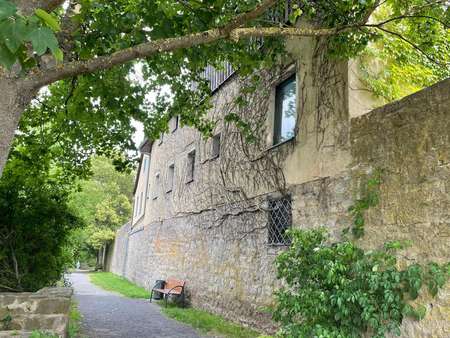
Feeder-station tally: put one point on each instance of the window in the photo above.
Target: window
(170, 177)
(280, 219)
(145, 164)
(173, 123)
(215, 151)
(190, 166)
(156, 187)
(285, 111)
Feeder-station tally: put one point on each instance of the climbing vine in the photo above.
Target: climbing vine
(338, 289)
(369, 198)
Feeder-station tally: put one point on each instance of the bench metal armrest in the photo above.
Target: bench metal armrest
(154, 286)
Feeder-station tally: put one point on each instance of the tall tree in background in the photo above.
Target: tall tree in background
(78, 46)
(104, 204)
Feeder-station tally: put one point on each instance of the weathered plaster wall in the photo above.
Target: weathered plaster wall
(46, 310)
(198, 233)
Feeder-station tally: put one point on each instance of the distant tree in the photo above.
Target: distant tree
(104, 204)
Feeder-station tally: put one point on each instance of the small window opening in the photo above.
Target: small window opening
(156, 187)
(170, 177)
(190, 166)
(215, 151)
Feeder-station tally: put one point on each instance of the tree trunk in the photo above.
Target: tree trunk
(13, 100)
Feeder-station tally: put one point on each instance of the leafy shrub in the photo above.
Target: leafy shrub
(340, 290)
(35, 222)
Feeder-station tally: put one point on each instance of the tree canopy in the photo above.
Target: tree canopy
(103, 202)
(84, 47)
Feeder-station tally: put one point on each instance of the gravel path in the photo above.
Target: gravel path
(107, 314)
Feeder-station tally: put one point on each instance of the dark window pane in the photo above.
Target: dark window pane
(215, 146)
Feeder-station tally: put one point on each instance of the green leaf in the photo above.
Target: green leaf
(42, 39)
(7, 9)
(58, 54)
(48, 19)
(13, 33)
(7, 59)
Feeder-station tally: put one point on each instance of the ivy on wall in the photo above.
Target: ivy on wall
(337, 289)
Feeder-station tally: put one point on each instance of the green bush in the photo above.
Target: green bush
(340, 290)
(35, 222)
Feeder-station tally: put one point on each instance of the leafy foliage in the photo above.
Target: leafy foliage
(394, 67)
(17, 30)
(94, 112)
(86, 115)
(35, 221)
(368, 199)
(340, 290)
(104, 204)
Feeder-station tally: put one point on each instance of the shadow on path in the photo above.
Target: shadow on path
(107, 314)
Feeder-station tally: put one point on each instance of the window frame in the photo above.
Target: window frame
(278, 111)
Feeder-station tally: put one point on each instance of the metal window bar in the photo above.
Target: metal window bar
(280, 220)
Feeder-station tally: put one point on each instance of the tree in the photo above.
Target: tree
(104, 204)
(35, 220)
(176, 39)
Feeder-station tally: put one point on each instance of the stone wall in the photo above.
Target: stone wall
(228, 264)
(410, 141)
(46, 310)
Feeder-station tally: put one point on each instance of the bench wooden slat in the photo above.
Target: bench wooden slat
(166, 291)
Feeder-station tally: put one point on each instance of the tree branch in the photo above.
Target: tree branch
(27, 7)
(412, 44)
(41, 78)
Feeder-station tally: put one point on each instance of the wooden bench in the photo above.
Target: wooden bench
(171, 287)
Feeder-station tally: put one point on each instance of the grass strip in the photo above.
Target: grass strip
(112, 282)
(208, 323)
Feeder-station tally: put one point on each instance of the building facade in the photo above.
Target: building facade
(214, 211)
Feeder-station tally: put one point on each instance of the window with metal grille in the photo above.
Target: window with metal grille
(280, 220)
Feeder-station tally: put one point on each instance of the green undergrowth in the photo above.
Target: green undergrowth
(74, 321)
(112, 282)
(207, 323)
